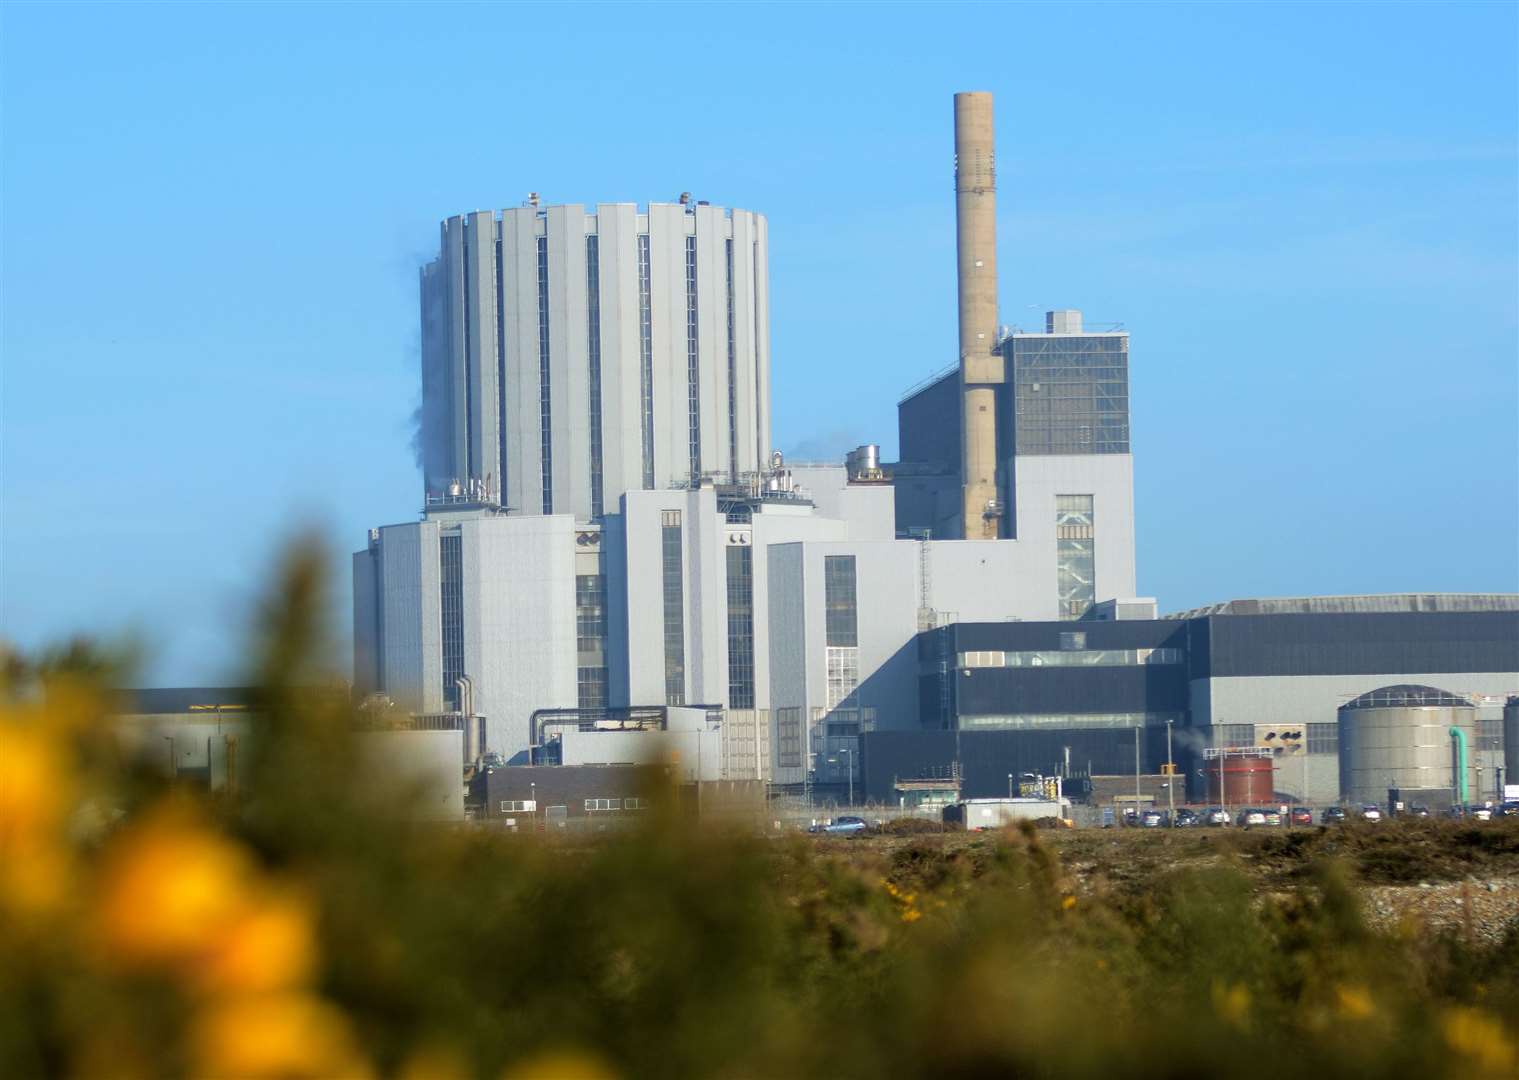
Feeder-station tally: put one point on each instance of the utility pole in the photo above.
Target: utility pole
(1009, 785)
(1136, 770)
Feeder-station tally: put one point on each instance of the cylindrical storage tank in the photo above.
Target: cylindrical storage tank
(1511, 741)
(1248, 779)
(1399, 737)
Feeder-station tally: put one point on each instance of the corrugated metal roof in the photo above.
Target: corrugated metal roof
(1357, 605)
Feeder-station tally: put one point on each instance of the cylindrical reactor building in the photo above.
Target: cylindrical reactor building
(570, 356)
(1400, 737)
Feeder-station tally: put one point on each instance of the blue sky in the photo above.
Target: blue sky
(213, 217)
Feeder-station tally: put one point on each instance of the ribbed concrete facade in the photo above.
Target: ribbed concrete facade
(570, 356)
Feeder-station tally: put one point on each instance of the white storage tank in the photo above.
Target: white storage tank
(1400, 737)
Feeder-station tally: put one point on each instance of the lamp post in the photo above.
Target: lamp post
(1009, 785)
(849, 768)
(533, 798)
(1136, 770)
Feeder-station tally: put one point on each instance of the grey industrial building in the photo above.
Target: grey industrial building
(1013, 697)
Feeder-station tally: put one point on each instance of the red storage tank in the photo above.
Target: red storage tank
(1248, 774)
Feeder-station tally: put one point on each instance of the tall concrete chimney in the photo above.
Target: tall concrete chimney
(981, 366)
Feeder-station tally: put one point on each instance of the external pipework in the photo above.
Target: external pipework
(1462, 794)
(981, 365)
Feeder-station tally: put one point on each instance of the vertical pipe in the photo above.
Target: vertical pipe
(1460, 785)
(981, 367)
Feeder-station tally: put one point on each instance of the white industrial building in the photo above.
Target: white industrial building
(569, 356)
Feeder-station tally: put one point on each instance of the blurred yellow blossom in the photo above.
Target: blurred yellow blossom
(35, 794)
(1232, 1003)
(1354, 1001)
(1480, 1037)
(170, 889)
(561, 1065)
(293, 1036)
(267, 947)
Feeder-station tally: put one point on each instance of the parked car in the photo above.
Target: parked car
(844, 825)
(1215, 816)
(1153, 819)
(1370, 812)
(1333, 815)
(1273, 817)
(1185, 819)
(1418, 810)
(1509, 809)
(1249, 816)
(1480, 813)
(1300, 815)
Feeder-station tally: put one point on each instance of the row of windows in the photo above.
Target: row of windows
(843, 664)
(590, 616)
(451, 615)
(646, 360)
(693, 359)
(593, 356)
(788, 734)
(1070, 658)
(740, 626)
(630, 803)
(839, 601)
(674, 608)
(1053, 721)
(1075, 556)
(518, 806)
(1323, 738)
(546, 446)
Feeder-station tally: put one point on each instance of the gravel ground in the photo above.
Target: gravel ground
(1486, 909)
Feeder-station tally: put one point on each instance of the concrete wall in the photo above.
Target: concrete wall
(519, 621)
(419, 773)
(412, 666)
(1109, 479)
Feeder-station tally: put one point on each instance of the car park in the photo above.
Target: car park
(1300, 815)
(1333, 815)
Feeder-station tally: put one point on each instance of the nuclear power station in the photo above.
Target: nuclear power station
(608, 542)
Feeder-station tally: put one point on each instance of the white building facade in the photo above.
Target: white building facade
(573, 354)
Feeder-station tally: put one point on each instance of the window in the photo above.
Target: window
(1075, 561)
(740, 626)
(635, 804)
(593, 805)
(518, 806)
(839, 600)
(1070, 393)
(693, 359)
(1076, 640)
(1233, 736)
(593, 358)
(646, 360)
(674, 606)
(500, 372)
(1323, 738)
(451, 603)
(1072, 658)
(843, 674)
(546, 443)
(1490, 734)
(788, 727)
(1068, 721)
(591, 691)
